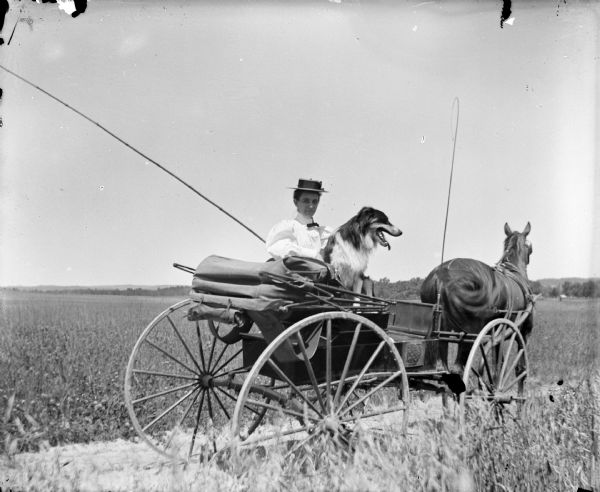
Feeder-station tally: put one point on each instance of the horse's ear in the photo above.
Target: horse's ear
(507, 230)
(527, 229)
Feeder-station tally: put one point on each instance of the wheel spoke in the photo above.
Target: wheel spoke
(338, 392)
(508, 411)
(487, 367)
(212, 352)
(202, 400)
(218, 359)
(226, 393)
(287, 411)
(367, 395)
(255, 439)
(399, 408)
(168, 410)
(164, 374)
(235, 399)
(184, 343)
(216, 371)
(299, 445)
(498, 349)
(513, 364)
(492, 338)
(310, 370)
(189, 408)
(515, 381)
(221, 405)
(174, 359)
(341, 441)
(185, 414)
(165, 392)
(197, 424)
(214, 327)
(492, 397)
(499, 362)
(200, 346)
(362, 373)
(297, 390)
(328, 365)
(505, 361)
(233, 372)
(480, 380)
(210, 408)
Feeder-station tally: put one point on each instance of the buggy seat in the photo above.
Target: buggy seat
(273, 295)
(252, 285)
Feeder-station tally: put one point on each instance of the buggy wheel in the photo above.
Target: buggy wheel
(182, 383)
(344, 375)
(495, 374)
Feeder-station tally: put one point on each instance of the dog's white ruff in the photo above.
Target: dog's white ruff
(350, 263)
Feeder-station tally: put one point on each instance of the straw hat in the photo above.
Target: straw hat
(310, 185)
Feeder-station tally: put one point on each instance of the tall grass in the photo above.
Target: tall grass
(63, 357)
(547, 450)
(565, 341)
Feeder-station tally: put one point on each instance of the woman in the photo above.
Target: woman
(300, 236)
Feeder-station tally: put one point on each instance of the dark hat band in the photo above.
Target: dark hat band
(310, 185)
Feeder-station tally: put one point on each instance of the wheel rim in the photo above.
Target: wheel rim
(495, 373)
(348, 385)
(181, 385)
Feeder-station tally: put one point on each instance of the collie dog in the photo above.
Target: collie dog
(349, 248)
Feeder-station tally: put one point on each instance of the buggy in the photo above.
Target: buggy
(279, 350)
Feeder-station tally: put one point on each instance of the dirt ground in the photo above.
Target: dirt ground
(124, 465)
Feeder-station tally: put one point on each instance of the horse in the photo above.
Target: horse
(471, 292)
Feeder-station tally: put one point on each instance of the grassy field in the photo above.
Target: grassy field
(63, 357)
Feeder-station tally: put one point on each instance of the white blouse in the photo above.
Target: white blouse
(291, 237)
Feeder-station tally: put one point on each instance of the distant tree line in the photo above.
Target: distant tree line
(174, 291)
(410, 289)
(384, 288)
(588, 288)
(402, 289)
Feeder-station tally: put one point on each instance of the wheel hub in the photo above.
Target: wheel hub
(206, 381)
(503, 398)
(332, 424)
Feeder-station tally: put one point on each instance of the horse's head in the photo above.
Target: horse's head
(517, 248)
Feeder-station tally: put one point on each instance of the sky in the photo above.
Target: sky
(240, 99)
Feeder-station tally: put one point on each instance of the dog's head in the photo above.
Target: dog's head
(375, 223)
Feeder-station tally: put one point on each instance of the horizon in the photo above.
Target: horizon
(155, 286)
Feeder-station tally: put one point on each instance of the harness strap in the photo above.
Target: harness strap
(511, 273)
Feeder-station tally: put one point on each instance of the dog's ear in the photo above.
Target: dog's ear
(364, 211)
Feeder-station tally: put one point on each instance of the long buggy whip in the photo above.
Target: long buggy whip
(454, 103)
(457, 104)
(149, 159)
